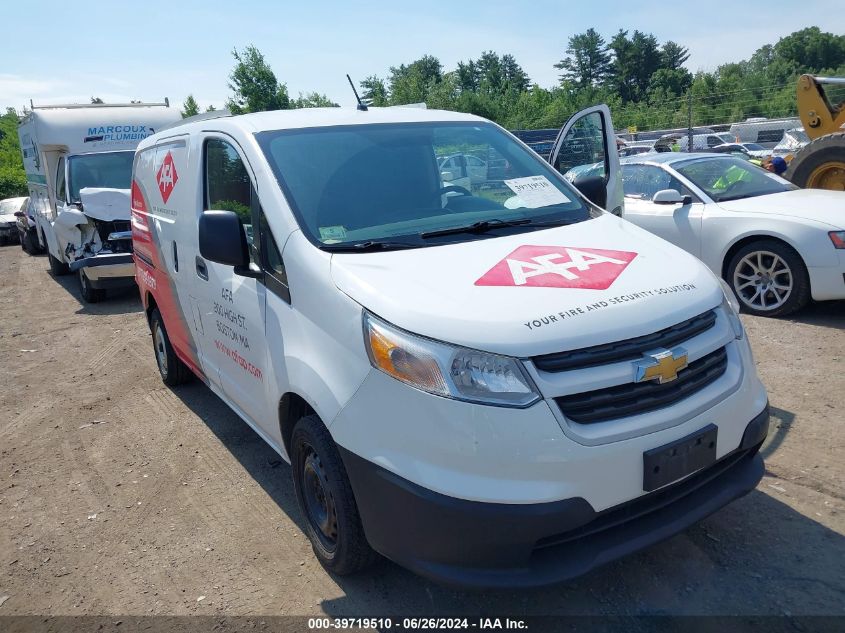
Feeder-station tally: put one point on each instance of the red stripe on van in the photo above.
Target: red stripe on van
(152, 279)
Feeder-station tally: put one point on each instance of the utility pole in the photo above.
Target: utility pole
(689, 121)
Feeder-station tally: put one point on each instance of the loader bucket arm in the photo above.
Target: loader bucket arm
(817, 114)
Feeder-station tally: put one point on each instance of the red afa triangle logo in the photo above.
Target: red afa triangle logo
(558, 267)
(167, 177)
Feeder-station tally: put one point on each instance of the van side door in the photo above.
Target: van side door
(585, 148)
(232, 305)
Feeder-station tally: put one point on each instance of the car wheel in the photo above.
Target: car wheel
(325, 497)
(56, 267)
(769, 278)
(173, 371)
(88, 292)
(30, 239)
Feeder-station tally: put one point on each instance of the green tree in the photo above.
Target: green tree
(412, 83)
(673, 56)
(12, 176)
(96, 100)
(313, 100)
(587, 60)
(190, 107)
(374, 91)
(254, 84)
(811, 50)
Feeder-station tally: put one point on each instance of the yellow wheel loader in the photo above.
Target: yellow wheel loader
(821, 163)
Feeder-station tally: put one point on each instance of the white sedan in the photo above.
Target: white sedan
(776, 245)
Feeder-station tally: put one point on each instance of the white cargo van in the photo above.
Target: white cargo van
(506, 386)
(78, 162)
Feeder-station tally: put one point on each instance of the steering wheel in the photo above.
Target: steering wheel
(456, 188)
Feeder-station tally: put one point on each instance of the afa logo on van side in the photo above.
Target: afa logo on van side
(558, 267)
(166, 177)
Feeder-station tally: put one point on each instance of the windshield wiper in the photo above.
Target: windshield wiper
(369, 245)
(476, 227)
(486, 225)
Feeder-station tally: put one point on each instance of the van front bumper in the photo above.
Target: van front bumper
(107, 271)
(478, 544)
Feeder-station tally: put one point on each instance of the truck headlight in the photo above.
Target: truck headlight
(730, 305)
(447, 370)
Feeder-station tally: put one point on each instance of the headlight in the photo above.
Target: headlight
(838, 239)
(731, 307)
(446, 370)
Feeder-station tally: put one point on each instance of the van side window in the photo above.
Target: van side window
(60, 181)
(227, 185)
(276, 276)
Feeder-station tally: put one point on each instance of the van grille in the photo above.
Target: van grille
(630, 349)
(629, 399)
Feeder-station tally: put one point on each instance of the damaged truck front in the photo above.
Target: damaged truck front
(78, 161)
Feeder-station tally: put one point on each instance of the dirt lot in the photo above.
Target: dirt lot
(121, 496)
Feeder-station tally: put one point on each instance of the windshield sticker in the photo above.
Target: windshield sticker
(558, 267)
(332, 234)
(536, 191)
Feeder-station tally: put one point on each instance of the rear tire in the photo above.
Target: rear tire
(172, 370)
(769, 278)
(56, 267)
(30, 241)
(325, 498)
(89, 293)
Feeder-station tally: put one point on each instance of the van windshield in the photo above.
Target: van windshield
(104, 169)
(415, 184)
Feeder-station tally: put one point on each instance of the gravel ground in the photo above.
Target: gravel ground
(119, 496)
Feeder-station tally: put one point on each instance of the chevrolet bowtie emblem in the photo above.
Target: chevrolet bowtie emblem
(662, 366)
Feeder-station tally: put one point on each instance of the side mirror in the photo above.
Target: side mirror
(223, 240)
(593, 188)
(670, 196)
(447, 176)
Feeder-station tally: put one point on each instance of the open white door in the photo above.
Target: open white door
(585, 153)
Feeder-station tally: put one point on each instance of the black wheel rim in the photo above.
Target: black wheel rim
(319, 503)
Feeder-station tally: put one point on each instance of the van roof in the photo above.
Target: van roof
(311, 118)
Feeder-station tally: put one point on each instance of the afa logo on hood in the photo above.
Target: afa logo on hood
(558, 267)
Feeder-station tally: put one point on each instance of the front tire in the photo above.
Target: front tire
(769, 278)
(325, 497)
(88, 292)
(172, 370)
(56, 267)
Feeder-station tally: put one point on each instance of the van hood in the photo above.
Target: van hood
(534, 293)
(105, 204)
(819, 205)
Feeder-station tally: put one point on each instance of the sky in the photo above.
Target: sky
(67, 52)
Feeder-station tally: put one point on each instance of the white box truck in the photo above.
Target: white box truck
(78, 161)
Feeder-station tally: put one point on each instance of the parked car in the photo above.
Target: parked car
(28, 229)
(465, 166)
(793, 140)
(489, 391)
(776, 245)
(753, 150)
(8, 220)
(762, 131)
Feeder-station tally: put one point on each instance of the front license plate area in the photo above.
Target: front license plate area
(670, 462)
